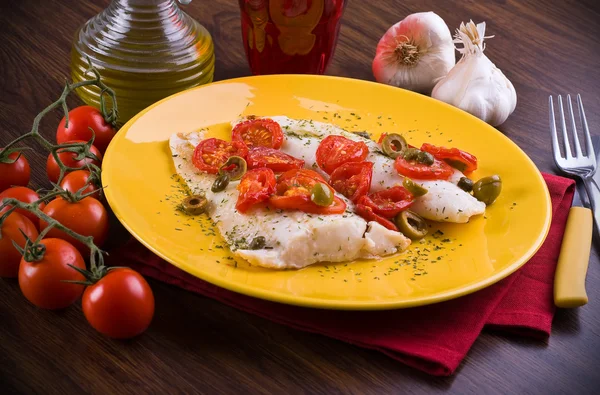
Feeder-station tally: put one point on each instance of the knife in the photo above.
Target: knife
(569, 279)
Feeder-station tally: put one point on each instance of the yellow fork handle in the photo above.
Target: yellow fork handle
(569, 279)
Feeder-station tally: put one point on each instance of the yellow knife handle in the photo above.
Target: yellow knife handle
(569, 279)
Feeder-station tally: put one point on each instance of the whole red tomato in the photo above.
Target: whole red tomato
(78, 179)
(9, 232)
(88, 217)
(120, 305)
(25, 195)
(42, 281)
(68, 159)
(16, 173)
(81, 119)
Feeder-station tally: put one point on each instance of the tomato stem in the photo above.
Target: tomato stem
(81, 151)
(96, 255)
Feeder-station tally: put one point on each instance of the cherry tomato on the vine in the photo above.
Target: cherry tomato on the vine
(81, 119)
(9, 232)
(78, 179)
(43, 281)
(16, 173)
(88, 217)
(120, 305)
(25, 195)
(68, 159)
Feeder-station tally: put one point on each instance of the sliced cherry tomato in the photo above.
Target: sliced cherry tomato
(255, 186)
(87, 217)
(292, 175)
(273, 159)
(352, 179)
(298, 182)
(120, 305)
(212, 153)
(460, 159)
(381, 138)
(68, 159)
(43, 281)
(388, 202)
(10, 231)
(334, 151)
(368, 214)
(81, 119)
(294, 189)
(79, 179)
(16, 173)
(419, 171)
(304, 204)
(25, 195)
(262, 132)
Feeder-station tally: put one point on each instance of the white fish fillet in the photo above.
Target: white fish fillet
(444, 202)
(294, 239)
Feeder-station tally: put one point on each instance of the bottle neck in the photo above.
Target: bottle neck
(143, 3)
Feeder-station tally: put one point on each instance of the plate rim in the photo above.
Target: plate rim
(266, 294)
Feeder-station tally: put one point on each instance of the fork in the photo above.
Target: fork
(569, 280)
(579, 165)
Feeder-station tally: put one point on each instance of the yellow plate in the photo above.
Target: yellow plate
(456, 260)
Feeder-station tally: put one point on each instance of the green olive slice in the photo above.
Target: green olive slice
(195, 204)
(458, 165)
(465, 184)
(220, 183)
(365, 135)
(415, 189)
(393, 145)
(235, 168)
(258, 243)
(321, 195)
(411, 225)
(487, 189)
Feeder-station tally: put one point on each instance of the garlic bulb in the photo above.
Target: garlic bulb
(475, 84)
(414, 53)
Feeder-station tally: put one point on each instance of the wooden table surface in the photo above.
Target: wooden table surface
(198, 345)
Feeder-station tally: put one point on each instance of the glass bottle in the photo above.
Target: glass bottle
(145, 51)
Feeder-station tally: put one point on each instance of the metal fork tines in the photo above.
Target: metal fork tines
(580, 164)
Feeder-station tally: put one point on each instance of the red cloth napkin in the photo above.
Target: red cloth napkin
(432, 338)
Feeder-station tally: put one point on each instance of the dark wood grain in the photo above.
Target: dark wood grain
(196, 345)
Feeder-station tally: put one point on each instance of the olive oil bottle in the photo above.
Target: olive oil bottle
(145, 51)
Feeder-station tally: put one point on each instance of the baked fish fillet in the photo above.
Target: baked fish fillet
(294, 239)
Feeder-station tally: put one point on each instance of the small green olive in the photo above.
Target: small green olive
(411, 153)
(411, 225)
(195, 204)
(363, 134)
(426, 158)
(258, 243)
(393, 145)
(220, 183)
(321, 195)
(465, 184)
(235, 168)
(415, 189)
(487, 189)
